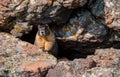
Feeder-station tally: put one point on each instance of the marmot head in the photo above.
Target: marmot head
(43, 30)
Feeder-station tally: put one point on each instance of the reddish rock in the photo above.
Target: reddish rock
(36, 11)
(107, 57)
(17, 57)
(100, 72)
(104, 63)
(71, 68)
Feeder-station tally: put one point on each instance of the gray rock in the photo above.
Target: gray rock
(82, 27)
(107, 12)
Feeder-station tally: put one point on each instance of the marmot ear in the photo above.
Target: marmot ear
(38, 26)
(46, 25)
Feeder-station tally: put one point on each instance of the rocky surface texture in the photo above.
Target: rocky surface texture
(34, 12)
(18, 58)
(109, 12)
(82, 27)
(87, 33)
(79, 20)
(104, 63)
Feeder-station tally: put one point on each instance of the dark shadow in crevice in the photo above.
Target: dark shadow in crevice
(84, 49)
(31, 36)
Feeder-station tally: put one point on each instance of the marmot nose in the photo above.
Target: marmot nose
(42, 32)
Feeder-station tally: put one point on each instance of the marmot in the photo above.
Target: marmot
(45, 39)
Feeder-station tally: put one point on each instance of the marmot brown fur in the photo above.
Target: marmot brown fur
(45, 39)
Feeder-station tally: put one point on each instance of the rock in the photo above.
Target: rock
(13, 13)
(10, 11)
(82, 27)
(17, 58)
(61, 12)
(72, 3)
(33, 12)
(47, 12)
(107, 12)
(104, 63)
(107, 57)
(20, 29)
(100, 72)
(114, 35)
(71, 68)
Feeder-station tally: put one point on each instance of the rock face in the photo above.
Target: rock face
(12, 13)
(87, 30)
(71, 68)
(107, 57)
(96, 19)
(81, 27)
(47, 11)
(34, 12)
(109, 12)
(104, 63)
(17, 58)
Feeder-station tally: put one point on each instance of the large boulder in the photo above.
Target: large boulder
(73, 68)
(107, 12)
(19, 58)
(13, 13)
(82, 27)
(17, 12)
(104, 63)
